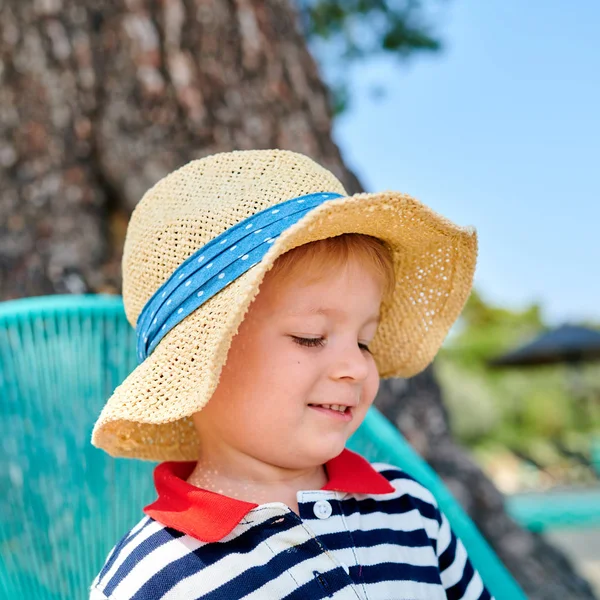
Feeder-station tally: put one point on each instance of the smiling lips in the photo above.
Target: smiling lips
(336, 411)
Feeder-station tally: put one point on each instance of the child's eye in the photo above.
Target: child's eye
(319, 342)
(310, 342)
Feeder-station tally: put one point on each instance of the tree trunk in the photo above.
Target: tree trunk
(99, 100)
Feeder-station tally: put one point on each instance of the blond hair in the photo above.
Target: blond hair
(334, 253)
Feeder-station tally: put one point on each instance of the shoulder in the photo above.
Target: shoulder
(408, 493)
(404, 483)
(132, 566)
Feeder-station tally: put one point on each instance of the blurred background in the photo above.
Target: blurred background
(487, 112)
(501, 130)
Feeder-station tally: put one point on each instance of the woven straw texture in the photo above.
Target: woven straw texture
(148, 415)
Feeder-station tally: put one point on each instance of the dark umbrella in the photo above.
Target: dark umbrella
(565, 344)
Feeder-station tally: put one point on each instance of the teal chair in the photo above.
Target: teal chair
(63, 502)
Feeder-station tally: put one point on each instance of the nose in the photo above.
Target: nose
(351, 363)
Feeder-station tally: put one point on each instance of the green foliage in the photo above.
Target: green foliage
(393, 26)
(469, 400)
(487, 331)
(344, 31)
(533, 411)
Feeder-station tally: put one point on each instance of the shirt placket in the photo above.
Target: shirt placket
(283, 532)
(320, 512)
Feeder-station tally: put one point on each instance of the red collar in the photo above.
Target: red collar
(209, 517)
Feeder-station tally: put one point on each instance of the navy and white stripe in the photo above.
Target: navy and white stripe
(394, 546)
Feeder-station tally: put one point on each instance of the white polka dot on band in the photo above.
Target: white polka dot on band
(157, 318)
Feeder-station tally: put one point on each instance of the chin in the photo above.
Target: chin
(326, 452)
(310, 452)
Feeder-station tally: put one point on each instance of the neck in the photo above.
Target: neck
(232, 473)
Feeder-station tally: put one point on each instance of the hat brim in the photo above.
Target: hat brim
(149, 415)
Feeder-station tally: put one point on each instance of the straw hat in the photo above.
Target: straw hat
(149, 414)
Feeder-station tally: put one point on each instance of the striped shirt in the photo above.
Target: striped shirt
(372, 533)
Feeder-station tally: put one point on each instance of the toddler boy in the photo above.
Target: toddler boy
(248, 397)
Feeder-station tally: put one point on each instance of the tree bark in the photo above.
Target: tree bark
(99, 100)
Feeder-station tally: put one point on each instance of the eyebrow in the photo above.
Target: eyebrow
(329, 311)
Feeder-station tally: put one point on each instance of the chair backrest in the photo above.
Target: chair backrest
(64, 503)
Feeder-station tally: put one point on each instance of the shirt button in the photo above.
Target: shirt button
(322, 509)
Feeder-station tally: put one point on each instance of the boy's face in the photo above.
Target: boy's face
(266, 402)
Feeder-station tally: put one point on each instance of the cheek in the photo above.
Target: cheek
(255, 379)
(249, 366)
(371, 386)
(280, 368)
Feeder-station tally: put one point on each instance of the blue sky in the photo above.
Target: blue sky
(500, 131)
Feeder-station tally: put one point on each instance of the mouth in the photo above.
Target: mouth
(335, 411)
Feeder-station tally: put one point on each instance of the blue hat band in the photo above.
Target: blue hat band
(215, 265)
